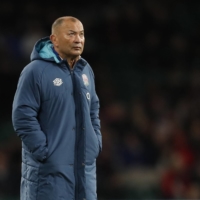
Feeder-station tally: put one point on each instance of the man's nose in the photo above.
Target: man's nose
(78, 38)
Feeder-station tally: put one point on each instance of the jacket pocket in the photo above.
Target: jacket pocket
(46, 189)
(56, 182)
(92, 146)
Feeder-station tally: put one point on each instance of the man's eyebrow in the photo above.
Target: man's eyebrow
(76, 31)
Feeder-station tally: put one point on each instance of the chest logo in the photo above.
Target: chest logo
(57, 82)
(85, 80)
(88, 95)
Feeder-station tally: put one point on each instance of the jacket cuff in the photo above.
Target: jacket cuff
(41, 153)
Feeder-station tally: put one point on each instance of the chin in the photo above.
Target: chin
(77, 54)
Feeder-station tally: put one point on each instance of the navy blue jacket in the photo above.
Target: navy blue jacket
(56, 115)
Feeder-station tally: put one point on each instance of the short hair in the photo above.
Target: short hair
(58, 22)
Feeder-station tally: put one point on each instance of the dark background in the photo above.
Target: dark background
(146, 58)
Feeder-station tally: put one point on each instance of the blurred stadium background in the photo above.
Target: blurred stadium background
(146, 59)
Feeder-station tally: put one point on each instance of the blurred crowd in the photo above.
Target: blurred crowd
(146, 58)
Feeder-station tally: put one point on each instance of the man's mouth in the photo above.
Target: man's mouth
(77, 48)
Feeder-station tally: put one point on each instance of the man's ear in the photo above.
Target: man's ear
(53, 39)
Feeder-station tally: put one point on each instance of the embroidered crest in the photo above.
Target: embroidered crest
(85, 80)
(58, 82)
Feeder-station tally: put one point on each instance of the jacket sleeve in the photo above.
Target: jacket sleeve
(94, 114)
(25, 110)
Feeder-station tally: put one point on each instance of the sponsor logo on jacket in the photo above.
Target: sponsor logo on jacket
(57, 82)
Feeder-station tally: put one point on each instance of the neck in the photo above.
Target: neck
(72, 61)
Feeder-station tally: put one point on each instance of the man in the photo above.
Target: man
(56, 115)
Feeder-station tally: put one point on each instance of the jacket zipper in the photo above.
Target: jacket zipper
(78, 105)
(76, 143)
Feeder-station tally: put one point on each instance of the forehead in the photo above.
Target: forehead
(71, 25)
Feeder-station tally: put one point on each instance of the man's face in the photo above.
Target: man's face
(70, 39)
